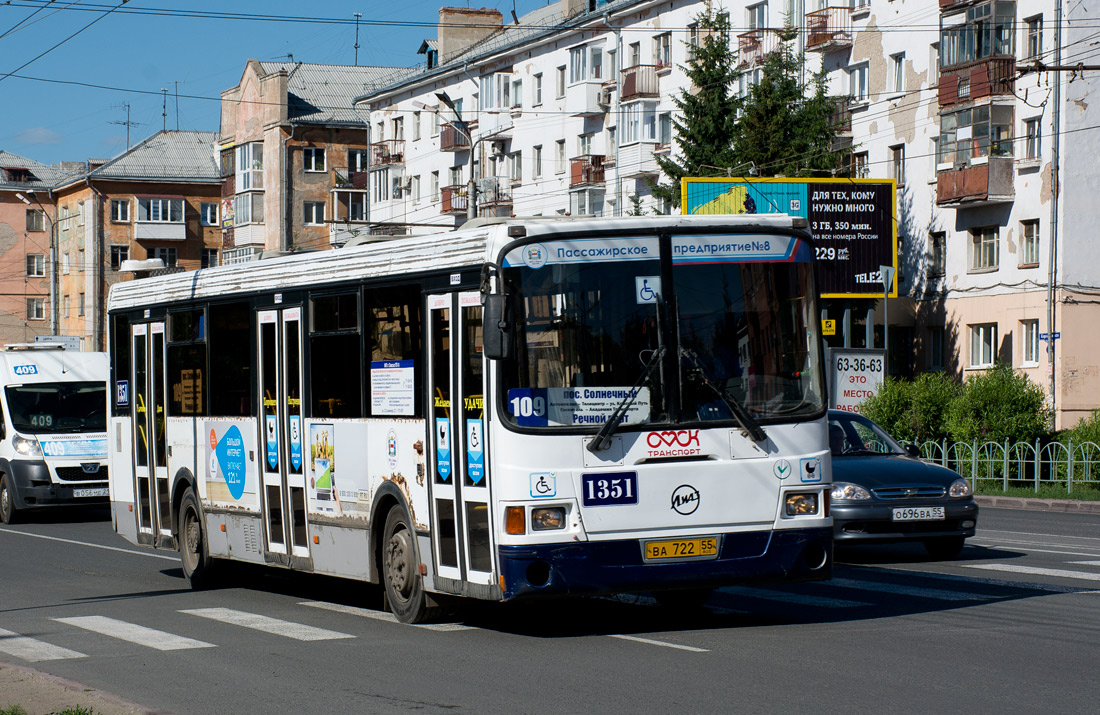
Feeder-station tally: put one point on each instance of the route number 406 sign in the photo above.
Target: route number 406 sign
(854, 375)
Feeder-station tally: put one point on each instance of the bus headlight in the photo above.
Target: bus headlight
(548, 518)
(26, 446)
(801, 503)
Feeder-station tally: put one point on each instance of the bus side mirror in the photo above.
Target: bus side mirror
(498, 340)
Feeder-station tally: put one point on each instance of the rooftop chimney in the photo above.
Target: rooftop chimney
(460, 28)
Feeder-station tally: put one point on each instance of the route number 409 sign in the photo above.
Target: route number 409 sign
(854, 375)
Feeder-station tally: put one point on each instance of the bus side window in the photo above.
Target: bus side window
(230, 379)
(394, 330)
(335, 349)
(187, 363)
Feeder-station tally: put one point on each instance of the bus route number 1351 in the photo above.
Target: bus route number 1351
(610, 488)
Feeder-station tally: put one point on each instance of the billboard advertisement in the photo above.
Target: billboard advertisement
(853, 221)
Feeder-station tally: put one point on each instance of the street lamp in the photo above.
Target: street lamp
(887, 275)
(53, 257)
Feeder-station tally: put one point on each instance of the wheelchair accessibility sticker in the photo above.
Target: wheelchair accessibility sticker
(544, 484)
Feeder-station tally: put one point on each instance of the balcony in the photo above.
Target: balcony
(454, 136)
(494, 191)
(981, 78)
(387, 152)
(454, 200)
(586, 99)
(992, 182)
(754, 46)
(637, 159)
(828, 29)
(586, 170)
(160, 230)
(640, 81)
(344, 179)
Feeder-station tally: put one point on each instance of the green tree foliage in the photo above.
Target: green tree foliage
(1087, 430)
(996, 405)
(783, 126)
(914, 411)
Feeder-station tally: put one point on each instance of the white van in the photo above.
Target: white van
(53, 432)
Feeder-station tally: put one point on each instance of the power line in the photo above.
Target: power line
(59, 44)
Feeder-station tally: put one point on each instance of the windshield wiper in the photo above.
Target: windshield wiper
(602, 440)
(742, 415)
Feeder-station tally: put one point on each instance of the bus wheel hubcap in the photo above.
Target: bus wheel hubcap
(398, 568)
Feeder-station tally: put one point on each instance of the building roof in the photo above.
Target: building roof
(38, 176)
(166, 156)
(324, 94)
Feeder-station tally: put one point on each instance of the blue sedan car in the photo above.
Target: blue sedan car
(883, 493)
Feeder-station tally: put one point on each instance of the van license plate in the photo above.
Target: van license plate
(682, 549)
(96, 492)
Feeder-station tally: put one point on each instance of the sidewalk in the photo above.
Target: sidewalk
(1066, 505)
(42, 694)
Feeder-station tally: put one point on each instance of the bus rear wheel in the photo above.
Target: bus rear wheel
(198, 567)
(401, 571)
(7, 502)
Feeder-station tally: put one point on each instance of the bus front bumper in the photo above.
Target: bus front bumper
(600, 567)
(32, 487)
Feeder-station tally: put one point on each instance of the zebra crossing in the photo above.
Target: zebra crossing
(866, 588)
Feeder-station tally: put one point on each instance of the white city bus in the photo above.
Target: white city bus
(523, 407)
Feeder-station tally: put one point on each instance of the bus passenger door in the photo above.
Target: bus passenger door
(462, 531)
(148, 416)
(280, 429)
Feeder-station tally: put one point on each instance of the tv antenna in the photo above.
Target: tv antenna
(357, 16)
(164, 109)
(127, 123)
(178, 82)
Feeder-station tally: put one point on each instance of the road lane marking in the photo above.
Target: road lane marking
(94, 546)
(982, 532)
(1086, 563)
(1008, 545)
(795, 598)
(918, 591)
(32, 649)
(383, 616)
(1036, 571)
(650, 641)
(133, 633)
(274, 626)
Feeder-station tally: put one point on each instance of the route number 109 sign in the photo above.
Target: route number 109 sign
(854, 375)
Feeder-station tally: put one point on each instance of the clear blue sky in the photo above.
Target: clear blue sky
(49, 113)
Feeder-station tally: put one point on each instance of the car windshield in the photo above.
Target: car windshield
(60, 407)
(670, 332)
(853, 434)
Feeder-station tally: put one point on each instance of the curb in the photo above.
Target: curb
(1060, 505)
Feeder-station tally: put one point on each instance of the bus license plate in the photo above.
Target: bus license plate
(95, 492)
(705, 547)
(919, 513)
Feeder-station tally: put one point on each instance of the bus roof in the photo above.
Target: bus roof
(22, 367)
(406, 255)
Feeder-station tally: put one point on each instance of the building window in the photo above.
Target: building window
(536, 161)
(937, 250)
(662, 50)
(517, 93)
(664, 129)
(693, 39)
(80, 213)
(414, 188)
(978, 32)
(1032, 138)
(857, 83)
(584, 144)
(399, 128)
(314, 213)
(80, 264)
(983, 249)
(1029, 237)
(209, 258)
(208, 213)
(118, 255)
(65, 263)
(639, 123)
(970, 134)
(612, 141)
(756, 16)
(933, 64)
(536, 94)
(36, 220)
(435, 123)
(357, 160)
(860, 168)
(634, 54)
(155, 210)
(36, 308)
(560, 86)
(897, 164)
(66, 306)
(1034, 37)
(983, 344)
(559, 160)
(381, 182)
(416, 125)
(120, 210)
(897, 73)
(313, 158)
(1029, 338)
(36, 265)
(435, 186)
(250, 166)
(168, 255)
(248, 208)
(80, 304)
(935, 348)
(515, 159)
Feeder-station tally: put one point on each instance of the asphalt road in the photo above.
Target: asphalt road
(1009, 627)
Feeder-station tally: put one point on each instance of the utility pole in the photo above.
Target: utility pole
(357, 16)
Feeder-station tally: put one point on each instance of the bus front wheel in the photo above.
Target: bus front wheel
(198, 567)
(7, 501)
(401, 571)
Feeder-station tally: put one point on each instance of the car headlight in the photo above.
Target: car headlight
(26, 446)
(846, 491)
(959, 488)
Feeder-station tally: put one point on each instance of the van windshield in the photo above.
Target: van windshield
(58, 407)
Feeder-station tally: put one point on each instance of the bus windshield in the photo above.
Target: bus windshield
(681, 330)
(58, 407)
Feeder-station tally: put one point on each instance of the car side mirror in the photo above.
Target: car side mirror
(913, 450)
(498, 340)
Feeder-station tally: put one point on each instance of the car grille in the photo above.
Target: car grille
(77, 474)
(908, 492)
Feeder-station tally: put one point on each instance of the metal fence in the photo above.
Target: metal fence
(1019, 464)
